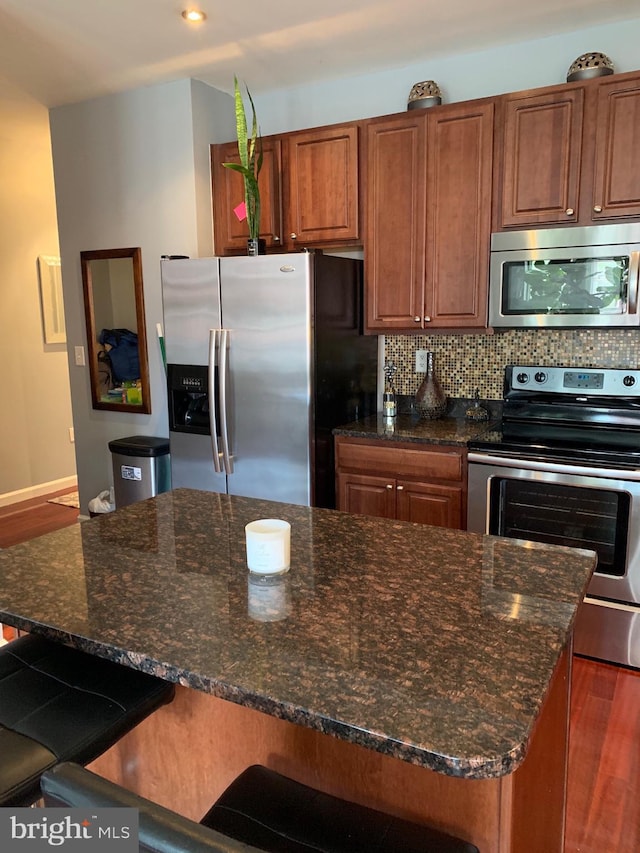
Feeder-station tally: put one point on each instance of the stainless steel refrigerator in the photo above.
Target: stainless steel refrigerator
(265, 356)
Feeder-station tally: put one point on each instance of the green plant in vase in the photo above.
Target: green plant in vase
(250, 153)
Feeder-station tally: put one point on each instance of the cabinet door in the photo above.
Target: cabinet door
(230, 234)
(460, 158)
(322, 186)
(365, 494)
(395, 179)
(616, 190)
(541, 158)
(428, 503)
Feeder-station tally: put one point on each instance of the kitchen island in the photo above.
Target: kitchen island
(419, 670)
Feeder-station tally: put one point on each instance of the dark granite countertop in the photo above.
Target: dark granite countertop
(430, 645)
(413, 428)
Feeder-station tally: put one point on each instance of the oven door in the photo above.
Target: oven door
(569, 505)
(560, 504)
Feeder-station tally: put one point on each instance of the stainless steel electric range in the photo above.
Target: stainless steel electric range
(564, 468)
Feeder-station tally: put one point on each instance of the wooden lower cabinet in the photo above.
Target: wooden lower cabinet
(401, 480)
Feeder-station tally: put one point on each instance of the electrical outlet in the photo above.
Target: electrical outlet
(79, 355)
(421, 361)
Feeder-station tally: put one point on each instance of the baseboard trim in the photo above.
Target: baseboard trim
(9, 498)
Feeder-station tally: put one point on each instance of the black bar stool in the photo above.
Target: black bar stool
(60, 704)
(260, 810)
(280, 815)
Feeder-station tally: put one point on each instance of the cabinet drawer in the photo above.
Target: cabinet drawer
(400, 460)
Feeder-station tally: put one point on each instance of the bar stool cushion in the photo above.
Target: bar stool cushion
(160, 830)
(279, 815)
(61, 704)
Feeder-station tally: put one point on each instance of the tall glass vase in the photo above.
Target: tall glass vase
(431, 401)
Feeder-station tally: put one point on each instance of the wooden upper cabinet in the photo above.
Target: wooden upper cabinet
(616, 187)
(321, 179)
(230, 233)
(309, 191)
(460, 157)
(569, 154)
(541, 158)
(428, 179)
(395, 184)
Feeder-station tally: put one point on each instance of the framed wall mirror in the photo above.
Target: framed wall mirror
(116, 337)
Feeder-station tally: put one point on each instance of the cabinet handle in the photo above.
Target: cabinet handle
(427, 319)
(389, 485)
(293, 235)
(399, 488)
(597, 208)
(416, 319)
(569, 211)
(276, 239)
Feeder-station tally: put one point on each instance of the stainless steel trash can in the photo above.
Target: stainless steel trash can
(141, 468)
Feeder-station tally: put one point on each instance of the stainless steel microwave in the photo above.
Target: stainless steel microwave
(566, 277)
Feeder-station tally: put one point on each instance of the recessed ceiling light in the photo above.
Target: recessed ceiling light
(196, 16)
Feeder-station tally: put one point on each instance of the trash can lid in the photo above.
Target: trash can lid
(140, 445)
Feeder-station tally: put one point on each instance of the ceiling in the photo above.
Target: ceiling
(62, 51)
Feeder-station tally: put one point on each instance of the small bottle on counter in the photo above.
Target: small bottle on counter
(389, 406)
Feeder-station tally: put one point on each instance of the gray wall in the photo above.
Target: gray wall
(131, 170)
(528, 64)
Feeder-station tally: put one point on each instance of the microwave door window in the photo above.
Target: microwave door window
(588, 285)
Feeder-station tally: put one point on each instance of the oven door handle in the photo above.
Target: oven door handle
(554, 467)
(634, 281)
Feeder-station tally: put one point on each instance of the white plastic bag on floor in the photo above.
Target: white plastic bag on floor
(102, 503)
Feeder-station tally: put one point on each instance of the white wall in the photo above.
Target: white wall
(131, 170)
(35, 409)
(525, 65)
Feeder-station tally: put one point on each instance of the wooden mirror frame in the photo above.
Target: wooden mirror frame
(93, 332)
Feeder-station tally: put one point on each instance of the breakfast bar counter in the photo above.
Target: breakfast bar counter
(415, 669)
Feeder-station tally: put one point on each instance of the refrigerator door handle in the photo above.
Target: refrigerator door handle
(224, 426)
(213, 391)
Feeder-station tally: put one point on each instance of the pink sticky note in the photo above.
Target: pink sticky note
(241, 211)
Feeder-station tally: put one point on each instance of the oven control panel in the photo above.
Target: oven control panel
(610, 381)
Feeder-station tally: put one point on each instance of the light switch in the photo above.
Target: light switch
(79, 353)
(421, 361)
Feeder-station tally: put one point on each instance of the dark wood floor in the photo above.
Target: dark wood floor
(28, 519)
(603, 813)
(604, 760)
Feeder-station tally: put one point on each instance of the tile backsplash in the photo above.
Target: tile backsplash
(466, 362)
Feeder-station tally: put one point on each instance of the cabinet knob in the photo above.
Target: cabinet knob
(276, 239)
(569, 211)
(427, 319)
(400, 488)
(416, 319)
(597, 208)
(293, 236)
(389, 485)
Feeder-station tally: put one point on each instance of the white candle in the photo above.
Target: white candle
(268, 543)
